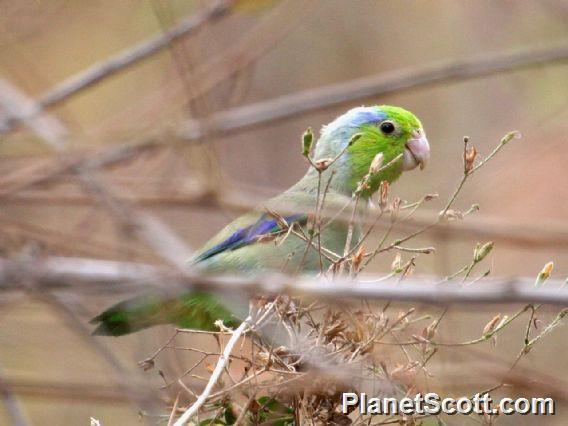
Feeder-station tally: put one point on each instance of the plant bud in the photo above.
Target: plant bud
(544, 274)
(307, 141)
(481, 251)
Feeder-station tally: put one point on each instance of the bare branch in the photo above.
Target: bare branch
(48, 128)
(288, 106)
(122, 61)
(79, 273)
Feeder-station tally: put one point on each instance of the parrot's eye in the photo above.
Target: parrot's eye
(387, 127)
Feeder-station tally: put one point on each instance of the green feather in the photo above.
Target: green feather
(195, 310)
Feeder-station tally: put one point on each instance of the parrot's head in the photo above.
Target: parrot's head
(389, 130)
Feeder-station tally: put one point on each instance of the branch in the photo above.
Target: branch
(156, 234)
(288, 106)
(124, 59)
(219, 368)
(53, 273)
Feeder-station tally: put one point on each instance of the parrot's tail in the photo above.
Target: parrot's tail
(195, 310)
(127, 317)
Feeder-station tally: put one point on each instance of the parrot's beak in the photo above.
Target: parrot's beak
(416, 151)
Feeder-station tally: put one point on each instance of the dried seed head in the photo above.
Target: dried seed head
(491, 325)
(544, 274)
(383, 194)
(481, 251)
(307, 141)
(377, 163)
(469, 156)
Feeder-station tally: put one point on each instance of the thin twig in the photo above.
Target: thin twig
(219, 368)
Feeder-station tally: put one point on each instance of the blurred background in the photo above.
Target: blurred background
(196, 125)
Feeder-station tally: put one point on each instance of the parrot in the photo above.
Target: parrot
(250, 244)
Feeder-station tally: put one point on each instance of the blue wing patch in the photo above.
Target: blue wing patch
(245, 236)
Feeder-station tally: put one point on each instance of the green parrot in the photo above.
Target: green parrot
(247, 245)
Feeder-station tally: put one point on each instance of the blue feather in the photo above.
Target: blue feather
(249, 235)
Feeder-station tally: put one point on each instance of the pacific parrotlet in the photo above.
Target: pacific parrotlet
(245, 245)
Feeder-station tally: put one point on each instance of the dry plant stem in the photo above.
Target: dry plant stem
(174, 409)
(487, 336)
(361, 186)
(451, 200)
(529, 345)
(219, 368)
(318, 215)
(244, 410)
(319, 206)
(349, 237)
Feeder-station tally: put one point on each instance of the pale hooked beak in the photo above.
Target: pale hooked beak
(416, 151)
